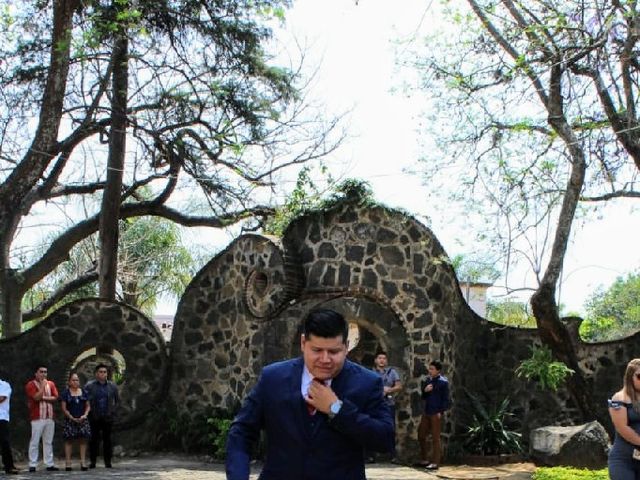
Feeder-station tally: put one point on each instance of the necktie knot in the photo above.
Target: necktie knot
(310, 408)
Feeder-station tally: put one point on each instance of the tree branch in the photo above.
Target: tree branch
(59, 249)
(69, 287)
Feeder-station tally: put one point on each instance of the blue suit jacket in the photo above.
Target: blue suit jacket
(301, 446)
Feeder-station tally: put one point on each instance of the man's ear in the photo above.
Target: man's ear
(302, 340)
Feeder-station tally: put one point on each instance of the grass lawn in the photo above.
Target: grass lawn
(568, 473)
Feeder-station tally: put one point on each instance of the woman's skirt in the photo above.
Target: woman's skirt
(74, 430)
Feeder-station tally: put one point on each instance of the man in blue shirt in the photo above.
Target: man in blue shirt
(104, 399)
(435, 393)
(391, 384)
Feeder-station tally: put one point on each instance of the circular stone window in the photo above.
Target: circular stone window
(257, 293)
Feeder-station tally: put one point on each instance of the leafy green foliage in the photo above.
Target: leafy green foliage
(469, 269)
(152, 261)
(304, 197)
(488, 433)
(568, 473)
(541, 368)
(350, 190)
(221, 428)
(615, 312)
(199, 433)
(510, 312)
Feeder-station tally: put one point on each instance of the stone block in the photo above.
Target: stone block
(581, 446)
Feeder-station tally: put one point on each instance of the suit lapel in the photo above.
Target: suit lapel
(297, 403)
(338, 383)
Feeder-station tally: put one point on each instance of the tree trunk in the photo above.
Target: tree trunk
(10, 303)
(554, 333)
(29, 170)
(110, 211)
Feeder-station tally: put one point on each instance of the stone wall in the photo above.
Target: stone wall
(384, 270)
(78, 336)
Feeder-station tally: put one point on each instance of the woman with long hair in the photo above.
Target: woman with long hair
(624, 408)
(75, 406)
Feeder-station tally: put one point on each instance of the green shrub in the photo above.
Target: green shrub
(567, 473)
(218, 437)
(488, 433)
(543, 369)
(174, 429)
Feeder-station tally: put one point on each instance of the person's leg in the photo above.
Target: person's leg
(621, 470)
(94, 442)
(67, 453)
(107, 448)
(47, 442)
(434, 423)
(423, 430)
(5, 446)
(83, 452)
(393, 416)
(34, 444)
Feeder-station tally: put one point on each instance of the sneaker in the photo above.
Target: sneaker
(431, 466)
(52, 469)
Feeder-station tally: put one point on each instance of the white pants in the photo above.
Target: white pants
(41, 429)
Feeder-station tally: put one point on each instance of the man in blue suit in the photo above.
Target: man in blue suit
(319, 411)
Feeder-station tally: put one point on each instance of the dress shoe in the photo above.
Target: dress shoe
(67, 469)
(108, 465)
(12, 471)
(52, 469)
(83, 468)
(92, 465)
(32, 469)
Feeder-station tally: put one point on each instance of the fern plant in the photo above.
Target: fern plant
(541, 368)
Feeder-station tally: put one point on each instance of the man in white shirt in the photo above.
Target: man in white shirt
(5, 445)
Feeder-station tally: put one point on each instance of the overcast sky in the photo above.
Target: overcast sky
(353, 47)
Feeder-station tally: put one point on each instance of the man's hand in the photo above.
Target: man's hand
(428, 388)
(320, 397)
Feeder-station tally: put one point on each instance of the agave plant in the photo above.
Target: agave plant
(488, 433)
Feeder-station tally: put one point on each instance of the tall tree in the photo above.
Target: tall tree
(535, 107)
(152, 263)
(209, 121)
(615, 312)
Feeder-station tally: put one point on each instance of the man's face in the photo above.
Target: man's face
(41, 374)
(433, 371)
(323, 357)
(381, 361)
(101, 375)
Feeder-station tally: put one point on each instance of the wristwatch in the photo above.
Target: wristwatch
(334, 409)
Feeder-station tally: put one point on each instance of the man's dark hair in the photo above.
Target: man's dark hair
(381, 352)
(99, 366)
(437, 364)
(39, 365)
(325, 323)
